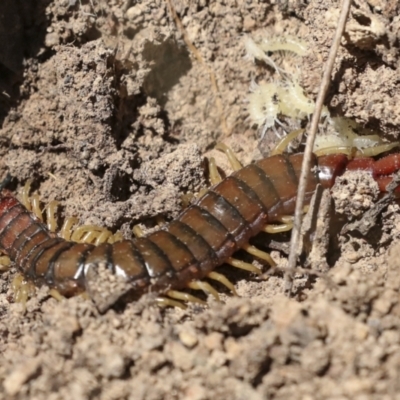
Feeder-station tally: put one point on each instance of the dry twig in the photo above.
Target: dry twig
(310, 144)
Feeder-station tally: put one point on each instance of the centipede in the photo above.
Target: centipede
(187, 250)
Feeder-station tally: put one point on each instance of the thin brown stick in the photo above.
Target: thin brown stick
(200, 59)
(310, 144)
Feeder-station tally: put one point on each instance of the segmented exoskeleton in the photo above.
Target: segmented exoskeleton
(204, 236)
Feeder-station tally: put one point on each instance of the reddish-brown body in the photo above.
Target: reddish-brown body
(203, 237)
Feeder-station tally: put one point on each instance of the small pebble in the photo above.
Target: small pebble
(188, 339)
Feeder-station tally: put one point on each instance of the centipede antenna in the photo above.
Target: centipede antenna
(243, 265)
(5, 181)
(205, 287)
(259, 254)
(165, 302)
(215, 177)
(223, 280)
(278, 228)
(310, 145)
(235, 163)
(175, 294)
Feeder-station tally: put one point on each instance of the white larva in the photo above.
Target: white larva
(284, 44)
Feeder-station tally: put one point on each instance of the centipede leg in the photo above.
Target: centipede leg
(103, 237)
(31, 203)
(278, 228)
(205, 287)
(66, 229)
(22, 289)
(116, 237)
(243, 265)
(56, 294)
(165, 302)
(175, 294)
(215, 177)
(259, 254)
(223, 280)
(285, 141)
(35, 201)
(89, 237)
(5, 262)
(235, 163)
(86, 233)
(50, 215)
(285, 226)
(137, 231)
(25, 195)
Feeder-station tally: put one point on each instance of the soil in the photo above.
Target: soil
(110, 107)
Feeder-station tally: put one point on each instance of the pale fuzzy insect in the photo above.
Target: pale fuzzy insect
(264, 105)
(286, 98)
(294, 103)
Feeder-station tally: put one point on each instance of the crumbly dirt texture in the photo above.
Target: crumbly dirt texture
(109, 107)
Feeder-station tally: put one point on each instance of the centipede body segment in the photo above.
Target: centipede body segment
(204, 236)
